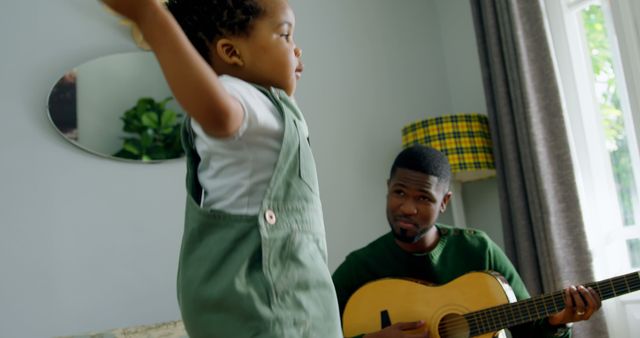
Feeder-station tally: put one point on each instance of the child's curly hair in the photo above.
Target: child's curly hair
(204, 21)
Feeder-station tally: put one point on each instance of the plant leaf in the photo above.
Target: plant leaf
(163, 103)
(150, 120)
(132, 146)
(168, 118)
(146, 138)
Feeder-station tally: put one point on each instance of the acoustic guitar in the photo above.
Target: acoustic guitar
(477, 304)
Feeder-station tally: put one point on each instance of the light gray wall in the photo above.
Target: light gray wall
(85, 243)
(461, 61)
(90, 244)
(466, 95)
(371, 69)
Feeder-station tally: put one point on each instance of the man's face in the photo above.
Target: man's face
(414, 201)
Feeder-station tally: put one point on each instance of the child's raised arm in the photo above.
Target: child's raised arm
(193, 82)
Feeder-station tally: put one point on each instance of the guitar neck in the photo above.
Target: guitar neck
(508, 315)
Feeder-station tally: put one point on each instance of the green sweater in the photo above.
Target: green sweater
(458, 252)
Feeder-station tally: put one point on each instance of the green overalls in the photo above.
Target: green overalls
(262, 275)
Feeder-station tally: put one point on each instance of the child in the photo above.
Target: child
(253, 259)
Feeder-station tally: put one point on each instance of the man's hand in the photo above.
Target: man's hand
(398, 331)
(580, 304)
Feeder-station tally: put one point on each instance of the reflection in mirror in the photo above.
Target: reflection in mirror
(118, 106)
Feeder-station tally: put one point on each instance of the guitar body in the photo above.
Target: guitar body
(388, 301)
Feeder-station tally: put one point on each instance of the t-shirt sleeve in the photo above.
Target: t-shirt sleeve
(245, 93)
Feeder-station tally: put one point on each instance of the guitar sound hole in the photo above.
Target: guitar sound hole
(453, 326)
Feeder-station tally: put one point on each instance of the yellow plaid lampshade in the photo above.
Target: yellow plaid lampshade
(464, 138)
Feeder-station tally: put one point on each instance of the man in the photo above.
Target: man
(419, 248)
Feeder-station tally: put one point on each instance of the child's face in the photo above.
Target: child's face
(270, 56)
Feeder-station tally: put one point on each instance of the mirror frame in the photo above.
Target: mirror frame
(88, 149)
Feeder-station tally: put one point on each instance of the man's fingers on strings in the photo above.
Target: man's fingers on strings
(568, 299)
(596, 297)
(578, 301)
(592, 300)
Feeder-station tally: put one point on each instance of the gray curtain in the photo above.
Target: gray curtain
(544, 232)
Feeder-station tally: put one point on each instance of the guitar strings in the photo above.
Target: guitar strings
(489, 320)
(499, 313)
(497, 318)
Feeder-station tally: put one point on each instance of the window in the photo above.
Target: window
(597, 73)
(601, 127)
(614, 119)
(633, 246)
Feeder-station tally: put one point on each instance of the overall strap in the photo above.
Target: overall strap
(194, 189)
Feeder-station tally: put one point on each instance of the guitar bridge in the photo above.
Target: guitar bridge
(385, 320)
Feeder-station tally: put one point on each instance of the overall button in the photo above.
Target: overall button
(270, 216)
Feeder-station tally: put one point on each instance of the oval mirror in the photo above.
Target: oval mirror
(118, 106)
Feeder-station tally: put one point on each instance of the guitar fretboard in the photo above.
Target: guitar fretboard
(508, 315)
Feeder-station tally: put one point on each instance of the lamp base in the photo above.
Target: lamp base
(457, 205)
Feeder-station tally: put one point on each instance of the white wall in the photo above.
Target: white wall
(90, 244)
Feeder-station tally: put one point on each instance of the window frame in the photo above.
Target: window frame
(595, 174)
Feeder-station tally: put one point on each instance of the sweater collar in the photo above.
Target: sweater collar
(436, 252)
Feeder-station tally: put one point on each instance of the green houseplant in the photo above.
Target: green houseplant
(155, 131)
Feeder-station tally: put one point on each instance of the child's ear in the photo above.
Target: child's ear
(228, 52)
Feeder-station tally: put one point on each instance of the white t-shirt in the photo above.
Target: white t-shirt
(235, 172)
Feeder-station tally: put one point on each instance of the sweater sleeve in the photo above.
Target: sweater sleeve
(346, 282)
(499, 262)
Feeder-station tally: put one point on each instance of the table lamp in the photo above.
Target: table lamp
(465, 140)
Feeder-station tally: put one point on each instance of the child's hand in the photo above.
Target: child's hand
(130, 9)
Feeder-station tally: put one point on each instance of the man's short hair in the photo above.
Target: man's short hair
(425, 160)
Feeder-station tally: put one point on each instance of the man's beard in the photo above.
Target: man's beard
(401, 234)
